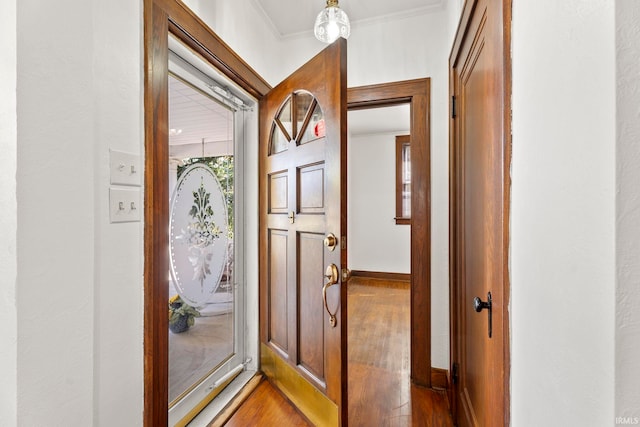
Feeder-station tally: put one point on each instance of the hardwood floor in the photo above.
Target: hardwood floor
(266, 407)
(380, 392)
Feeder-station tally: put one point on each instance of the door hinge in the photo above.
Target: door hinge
(454, 373)
(453, 106)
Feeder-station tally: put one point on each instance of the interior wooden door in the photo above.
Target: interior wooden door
(480, 153)
(303, 219)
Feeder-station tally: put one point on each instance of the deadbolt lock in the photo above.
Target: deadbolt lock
(331, 241)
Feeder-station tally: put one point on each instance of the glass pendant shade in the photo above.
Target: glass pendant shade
(332, 23)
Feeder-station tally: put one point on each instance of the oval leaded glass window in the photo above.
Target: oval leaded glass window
(198, 235)
(300, 120)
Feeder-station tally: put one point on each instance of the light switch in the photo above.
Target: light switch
(125, 168)
(125, 204)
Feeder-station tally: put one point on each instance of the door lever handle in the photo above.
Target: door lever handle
(332, 276)
(479, 305)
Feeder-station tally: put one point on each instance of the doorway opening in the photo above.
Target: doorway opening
(383, 247)
(208, 318)
(185, 370)
(415, 94)
(379, 249)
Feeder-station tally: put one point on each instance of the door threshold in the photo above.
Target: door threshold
(218, 412)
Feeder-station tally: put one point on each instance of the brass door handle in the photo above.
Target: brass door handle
(332, 276)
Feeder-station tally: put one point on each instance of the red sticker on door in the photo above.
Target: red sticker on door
(319, 129)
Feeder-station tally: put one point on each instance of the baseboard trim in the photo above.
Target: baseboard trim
(400, 277)
(439, 378)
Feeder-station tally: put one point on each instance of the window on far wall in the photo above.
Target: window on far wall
(403, 179)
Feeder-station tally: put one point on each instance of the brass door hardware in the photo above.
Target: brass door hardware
(331, 241)
(346, 275)
(332, 276)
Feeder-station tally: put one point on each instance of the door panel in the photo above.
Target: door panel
(311, 192)
(278, 284)
(479, 215)
(302, 134)
(278, 196)
(310, 306)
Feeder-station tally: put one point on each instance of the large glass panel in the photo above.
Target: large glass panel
(201, 292)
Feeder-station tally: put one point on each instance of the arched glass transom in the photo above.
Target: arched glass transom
(299, 120)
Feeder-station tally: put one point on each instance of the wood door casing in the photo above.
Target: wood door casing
(162, 18)
(417, 93)
(301, 200)
(479, 212)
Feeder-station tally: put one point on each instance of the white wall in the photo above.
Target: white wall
(8, 213)
(118, 271)
(454, 10)
(562, 219)
(79, 277)
(376, 243)
(628, 209)
(55, 190)
(242, 26)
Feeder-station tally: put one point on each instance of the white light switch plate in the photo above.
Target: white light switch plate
(125, 205)
(124, 168)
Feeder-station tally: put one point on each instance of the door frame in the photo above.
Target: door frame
(416, 93)
(455, 267)
(162, 18)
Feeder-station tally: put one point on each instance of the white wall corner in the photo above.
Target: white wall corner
(628, 210)
(8, 214)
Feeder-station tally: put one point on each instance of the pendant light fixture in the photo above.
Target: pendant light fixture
(332, 23)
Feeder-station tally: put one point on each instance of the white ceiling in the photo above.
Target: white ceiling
(196, 116)
(293, 17)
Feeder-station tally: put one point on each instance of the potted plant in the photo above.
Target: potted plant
(181, 315)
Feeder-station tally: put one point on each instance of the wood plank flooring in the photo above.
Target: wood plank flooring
(380, 392)
(266, 406)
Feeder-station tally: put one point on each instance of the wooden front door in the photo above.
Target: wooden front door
(302, 203)
(480, 161)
